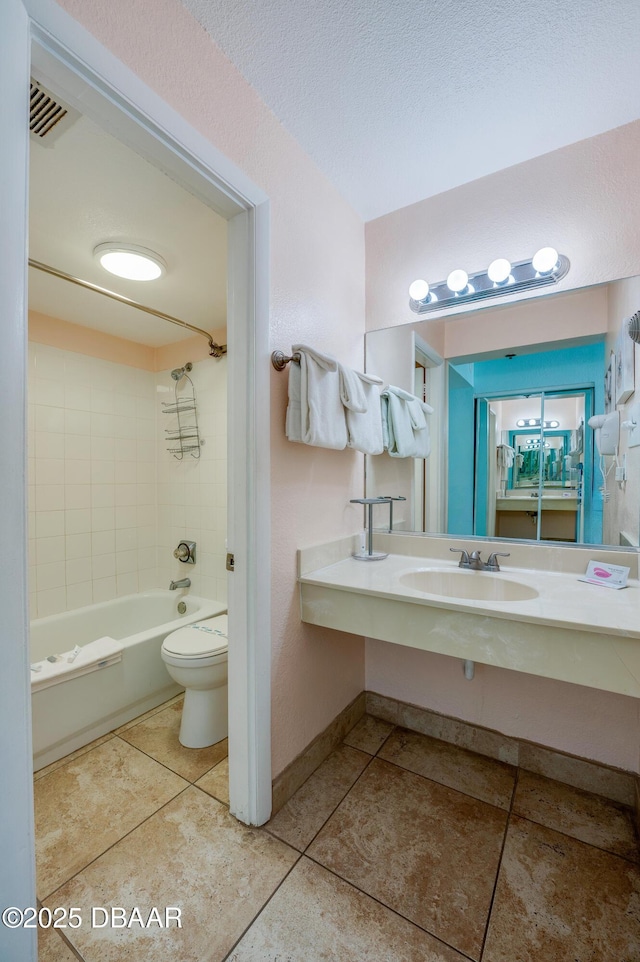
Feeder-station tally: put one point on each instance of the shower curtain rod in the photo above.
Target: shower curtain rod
(215, 350)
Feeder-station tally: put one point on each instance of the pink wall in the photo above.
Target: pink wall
(317, 296)
(585, 200)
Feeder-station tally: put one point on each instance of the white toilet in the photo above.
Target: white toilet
(196, 657)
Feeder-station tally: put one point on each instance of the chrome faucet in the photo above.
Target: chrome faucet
(183, 583)
(474, 562)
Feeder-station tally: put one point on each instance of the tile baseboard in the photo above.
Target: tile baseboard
(292, 777)
(612, 783)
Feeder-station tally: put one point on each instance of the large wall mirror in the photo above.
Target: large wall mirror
(513, 389)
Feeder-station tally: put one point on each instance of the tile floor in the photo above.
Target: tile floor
(399, 848)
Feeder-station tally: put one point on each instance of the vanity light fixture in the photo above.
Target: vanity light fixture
(536, 423)
(501, 277)
(130, 261)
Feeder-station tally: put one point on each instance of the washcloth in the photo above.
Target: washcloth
(97, 654)
(315, 414)
(405, 429)
(360, 396)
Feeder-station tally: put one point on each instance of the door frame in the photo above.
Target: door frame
(112, 93)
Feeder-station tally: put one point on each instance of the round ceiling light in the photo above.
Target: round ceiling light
(129, 261)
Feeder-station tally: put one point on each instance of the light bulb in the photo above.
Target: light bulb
(419, 290)
(545, 260)
(133, 263)
(499, 270)
(532, 422)
(520, 423)
(457, 281)
(554, 424)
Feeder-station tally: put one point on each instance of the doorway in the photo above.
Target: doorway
(83, 71)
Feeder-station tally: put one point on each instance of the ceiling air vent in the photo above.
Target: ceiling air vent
(49, 116)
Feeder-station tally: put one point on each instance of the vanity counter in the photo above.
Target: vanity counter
(571, 630)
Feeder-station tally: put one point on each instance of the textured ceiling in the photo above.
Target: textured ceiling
(397, 100)
(89, 188)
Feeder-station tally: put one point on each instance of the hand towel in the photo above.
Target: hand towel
(97, 654)
(360, 395)
(315, 414)
(407, 431)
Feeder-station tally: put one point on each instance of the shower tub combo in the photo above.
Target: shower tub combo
(72, 712)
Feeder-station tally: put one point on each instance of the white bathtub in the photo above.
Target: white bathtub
(70, 714)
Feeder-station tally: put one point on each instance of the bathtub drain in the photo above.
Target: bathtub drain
(181, 608)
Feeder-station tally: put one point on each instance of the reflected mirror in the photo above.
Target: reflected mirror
(513, 389)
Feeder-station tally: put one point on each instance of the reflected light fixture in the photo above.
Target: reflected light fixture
(536, 423)
(130, 261)
(546, 266)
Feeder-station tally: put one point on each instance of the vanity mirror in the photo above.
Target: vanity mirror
(513, 388)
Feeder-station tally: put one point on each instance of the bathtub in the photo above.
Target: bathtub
(72, 713)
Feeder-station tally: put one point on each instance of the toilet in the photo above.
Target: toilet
(196, 658)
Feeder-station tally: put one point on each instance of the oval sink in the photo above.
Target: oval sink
(472, 585)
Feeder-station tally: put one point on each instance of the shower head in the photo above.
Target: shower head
(179, 372)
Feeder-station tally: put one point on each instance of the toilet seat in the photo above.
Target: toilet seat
(197, 645)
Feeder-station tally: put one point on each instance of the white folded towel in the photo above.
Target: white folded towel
(70, 664)
(315, 414)
(360, 395)
(405, 429)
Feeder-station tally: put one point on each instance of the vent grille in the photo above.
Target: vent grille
(46, 114)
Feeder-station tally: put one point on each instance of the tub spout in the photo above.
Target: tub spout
(183, 583)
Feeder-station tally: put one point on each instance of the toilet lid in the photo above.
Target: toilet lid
(207, 637)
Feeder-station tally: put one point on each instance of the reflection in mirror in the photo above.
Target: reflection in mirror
(512, 452)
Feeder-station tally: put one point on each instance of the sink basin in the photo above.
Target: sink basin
(473, 585)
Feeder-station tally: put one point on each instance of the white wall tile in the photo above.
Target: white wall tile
(126, 516)
(104, 589)
(77, 496)
(49, 550)
(79, 595)
(77, 521)
(102, 495)
(51, 602)
(78, 545)
(78, 472)
(102, 519)
(49, 420)
(48, 445)
(103, 542)
(77, 448)
(50, 575)
(78, 570)
(103, 472)
(77, 422)
(104, 566)
(126, 539)
(49, 497)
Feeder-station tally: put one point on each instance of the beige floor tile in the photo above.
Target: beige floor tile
(558, 899)
(477, 775)
(177, 699)
(587, 817)
(157, 736)
(422, 849)
(216, 782)
(316, 917)
(84, 807)
(72, 756)
(299, 821)
(369, 734)
(193, 855)
(53, 948)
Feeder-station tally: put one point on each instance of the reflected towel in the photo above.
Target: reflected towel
(315, 414)
(405, 429)
(97, 654)
(360, 395)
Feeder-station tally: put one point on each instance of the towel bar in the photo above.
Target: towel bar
(280, 360)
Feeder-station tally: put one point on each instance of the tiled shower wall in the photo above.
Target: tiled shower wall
(107, 503)
(192, 493)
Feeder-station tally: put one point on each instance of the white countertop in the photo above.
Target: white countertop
(562, 601)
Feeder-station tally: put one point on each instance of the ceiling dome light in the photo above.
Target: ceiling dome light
(457, 281)
(129, 261)
(419, 290)
(545, 260)
(499, 270)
